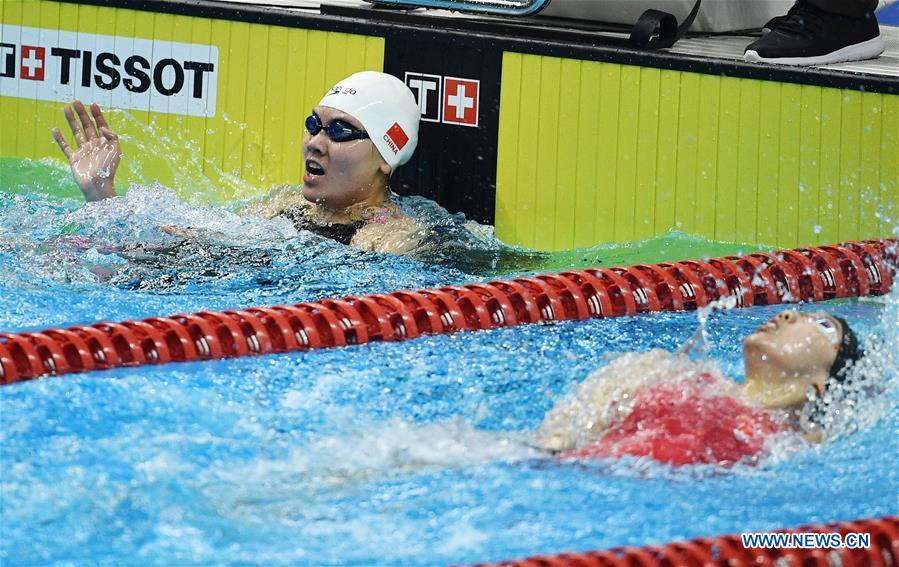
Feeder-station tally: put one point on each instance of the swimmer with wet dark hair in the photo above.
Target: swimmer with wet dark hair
(794, 351)
(361, 131)
(663, 406)
(849, 352)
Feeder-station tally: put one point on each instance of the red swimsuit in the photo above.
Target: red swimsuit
(684, 423)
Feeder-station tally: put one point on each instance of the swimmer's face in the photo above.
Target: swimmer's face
(340, 174)
(799, 346)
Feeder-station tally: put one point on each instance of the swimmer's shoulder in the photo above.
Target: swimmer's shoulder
(387, 228)
(278, 201)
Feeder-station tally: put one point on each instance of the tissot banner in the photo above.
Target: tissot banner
(116, 71)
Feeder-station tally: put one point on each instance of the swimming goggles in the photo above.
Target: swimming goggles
(337, 130)
(827, 326)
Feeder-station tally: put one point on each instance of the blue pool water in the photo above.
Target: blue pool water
(410, 453)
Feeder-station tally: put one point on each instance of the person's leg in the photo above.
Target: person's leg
(849, 8)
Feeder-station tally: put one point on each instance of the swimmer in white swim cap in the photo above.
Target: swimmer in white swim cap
(364, 128)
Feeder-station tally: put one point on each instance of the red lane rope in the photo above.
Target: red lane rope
(852, 269)
(728, 550)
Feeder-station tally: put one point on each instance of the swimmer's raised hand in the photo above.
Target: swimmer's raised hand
(98, 154)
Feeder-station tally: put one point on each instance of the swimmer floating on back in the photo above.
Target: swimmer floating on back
(360, 132)
(658, 405)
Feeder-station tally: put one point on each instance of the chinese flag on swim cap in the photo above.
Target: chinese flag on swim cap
(398, 135)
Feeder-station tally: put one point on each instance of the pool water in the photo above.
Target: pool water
(413, 453)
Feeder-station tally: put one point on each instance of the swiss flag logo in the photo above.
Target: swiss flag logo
(398, 135)
(32, 63)
(460, 101)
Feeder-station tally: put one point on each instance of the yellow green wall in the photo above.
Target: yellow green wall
(269, 78)
(596, 152)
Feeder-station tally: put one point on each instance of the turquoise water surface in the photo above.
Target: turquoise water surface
(412, 453)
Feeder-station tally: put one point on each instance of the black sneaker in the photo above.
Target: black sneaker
(811, 36)
(775, 21)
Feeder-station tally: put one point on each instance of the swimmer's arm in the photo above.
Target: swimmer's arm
(191, 233)
(583, 417)
(814, 437)
(278, 200)
(558, 431)
(97, 153)
(398, 235)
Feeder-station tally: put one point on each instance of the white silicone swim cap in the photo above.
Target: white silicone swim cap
(386, 108)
